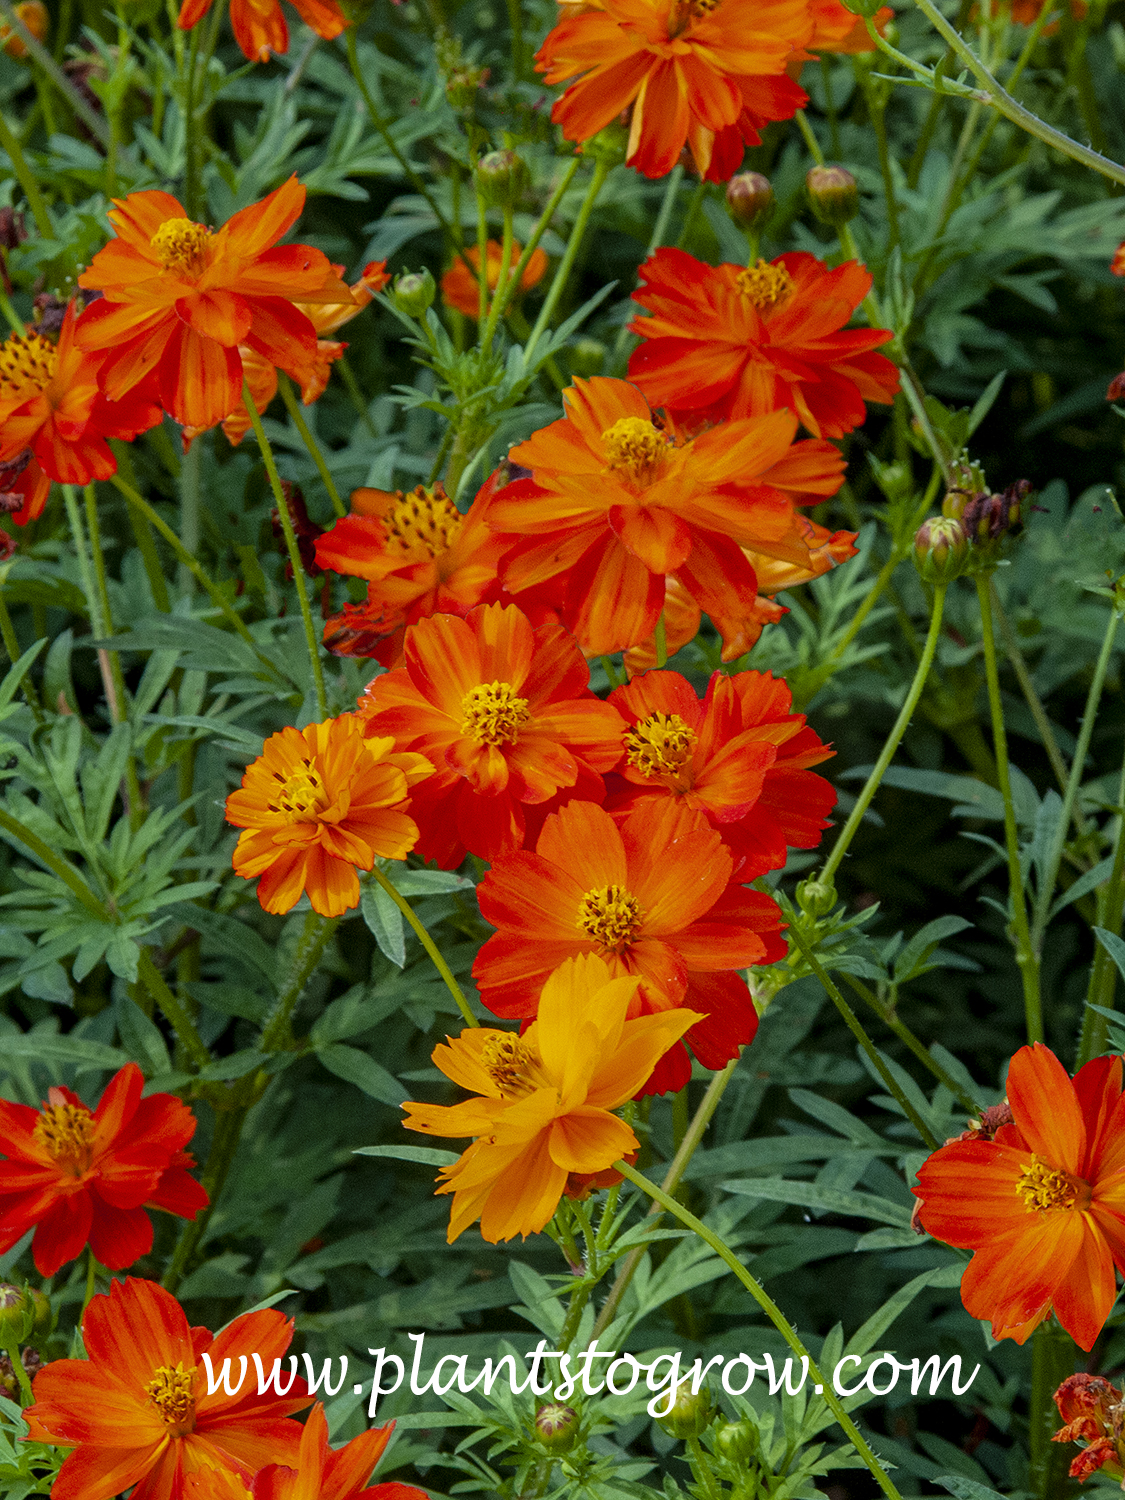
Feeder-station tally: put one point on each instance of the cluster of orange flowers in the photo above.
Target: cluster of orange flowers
(184, 317)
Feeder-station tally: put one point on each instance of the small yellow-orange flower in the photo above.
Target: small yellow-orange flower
(461, 290)
(317, 804)
(544, 1099)
(180, 300)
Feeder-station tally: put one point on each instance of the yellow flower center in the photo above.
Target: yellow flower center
(423, 523)
(659, 745)
(26, 363)
(634, 444)
(509, 1062)
(765, 286)
(172, 1391)
(66, 1131)
(182, 246)
(1043, 1187)
(491, 714)
(611, 916)
(303, 795)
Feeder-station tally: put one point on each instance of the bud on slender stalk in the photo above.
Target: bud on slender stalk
(941, 549)
(690, 1415)
(43, 1317)
(556, 1427)
(833, 194)
(414, 293)
(17, 1314)
(502, 178)
(750, 199)
(816, 898)
(737, 1442)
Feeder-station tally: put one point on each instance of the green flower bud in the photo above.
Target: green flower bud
(17, 1314)
(691, 1413)
(749, 199)
(502, 178)
(556, 1427)
(463, 85)
(814, 898)
(833, 194)
(414, 293)
(737, 1442)
(587, 357)
(43, 1319)
(941, 549)
(609, 145)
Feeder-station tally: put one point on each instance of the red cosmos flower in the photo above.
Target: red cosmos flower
(618, 500)
(460, 290)
(86, 1176)
(259, 25)
(651, 896)
(137, 1410)
(52, 408)
(180, 300)
(694, 71)
(739, 757)
(421, 557)
(1042, 1203)
(505, 713)
(724, 342)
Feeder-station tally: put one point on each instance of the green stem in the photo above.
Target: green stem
(1103, 974)
(810, 139)
(224, 1144)
(1032, 698)
(192, 144)
(515, 279)
(174, 1009)
(1053, 1358)
(672, 1179)
(877, 108)
(1046, 889)
(12, 1350)
(13, 319)
(295, 562)
(27, 180)
(103, 615)
(775, 1315)
(886, 755)
(562, 275)
(88, 115)
(661, 642)
(55, 863)
(150, 515)
(515, 21)
(1025, 953)
(293, 407)
(488, 328)
(89, 588)
(887, 1014)
(191, 507)
(91, 1282)
(12, 647)
(315, 935)
(428, 943)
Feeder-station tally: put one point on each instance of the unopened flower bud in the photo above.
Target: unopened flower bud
(749, 199)
(43, 1317)
(502, 178)
(816, 898)
(556, 1427)
(414, 293)
(34, 15)
(833, 194)
(587, 357)
(609, 145)
(463, 85)
(988, 518)
(941, 549)
(691, 1413)
(17, 1313)
(737, 1442)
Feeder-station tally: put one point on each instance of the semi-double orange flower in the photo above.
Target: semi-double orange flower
(326, 1473)
(180, 300)
(420, 555)
(317, 805)
(505, 714)
(137, 1411)
(259, 25)
(83, 1176)
(738, 756)
(724, 342)
(460, 289)
(706, 73)
(1042, 1202)
(544, 1099)
(618, 500)
(650, 896)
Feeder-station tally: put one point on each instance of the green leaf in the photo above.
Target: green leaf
(141, 1038)
(966, 1489)
(385, 922)
(427, 1156)
(915, 957)
(1083, 885)
(357, 1067)
(1113, 946)
(64, 1049)
(830, 1200)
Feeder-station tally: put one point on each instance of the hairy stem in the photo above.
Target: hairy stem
(430, 946)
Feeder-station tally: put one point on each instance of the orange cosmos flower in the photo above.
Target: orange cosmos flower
(318, 803)
(1042, 1203)
(724, 342)
(694, 71)
(325, 1473)
(325, 317)
(618, 500)
(83, 1176)
(461, 290)
(837, 29)
(505, 713)
(180, 300)
(544, 1098)
(1092, 1409)
(137, 1410)
(1117, 264)
(739, 757)
(421, 557)
(650, 895)
(23, 489)
(51, 407)
(259, 25)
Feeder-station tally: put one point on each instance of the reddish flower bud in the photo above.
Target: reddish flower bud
(833, 194)
(750, 199)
